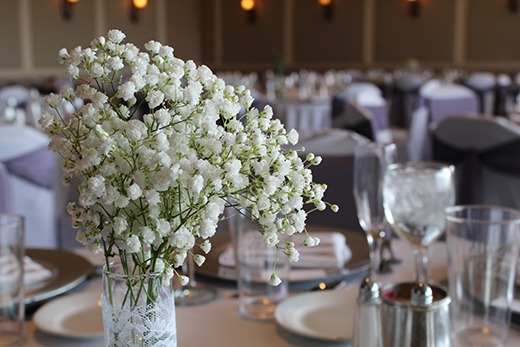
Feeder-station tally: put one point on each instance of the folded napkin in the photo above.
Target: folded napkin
(34, 272)
(332, 252)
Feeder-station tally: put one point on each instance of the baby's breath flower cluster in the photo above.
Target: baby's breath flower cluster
(150, 188)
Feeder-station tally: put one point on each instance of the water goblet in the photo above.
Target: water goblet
(415, 196)
(193, 293)
(370, 163)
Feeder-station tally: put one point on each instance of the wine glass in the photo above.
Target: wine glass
(370, 163)
(193, 293)
(415, 196)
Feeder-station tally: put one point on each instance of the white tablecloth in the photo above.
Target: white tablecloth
(218, 323)
(304, 115)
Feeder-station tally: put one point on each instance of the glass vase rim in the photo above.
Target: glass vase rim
(450, 214)
(116, 275)
(15, 220)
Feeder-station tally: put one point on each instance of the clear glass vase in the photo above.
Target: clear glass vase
(138, 309)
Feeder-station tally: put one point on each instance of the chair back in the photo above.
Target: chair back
(357, 119)
(483, 83)
(451, 99)
(336, 147)
(485, 151)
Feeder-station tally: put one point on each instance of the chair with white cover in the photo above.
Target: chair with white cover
(437, 102)
(336, 147)
(485, 151)
(449, 99)
(30, 178)
(376, 105)
(350, 95)
(404, 101)
(503, 99)
(483, 83)
(357, 119)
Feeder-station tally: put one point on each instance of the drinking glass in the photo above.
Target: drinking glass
(12, 308)
(482, 257)
(415, 196)
(370, 163)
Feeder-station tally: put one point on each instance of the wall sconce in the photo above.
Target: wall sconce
(135, 7)
(414, 8)
(513, 6)
(66, 8)
(249, 7)
(328, 10)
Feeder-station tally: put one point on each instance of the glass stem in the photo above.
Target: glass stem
(374, 244)
(421, 264)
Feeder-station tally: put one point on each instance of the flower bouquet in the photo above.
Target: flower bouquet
(153, 185)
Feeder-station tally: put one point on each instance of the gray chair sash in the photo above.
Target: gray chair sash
(502, 158)
(337, 173)
(36, 167)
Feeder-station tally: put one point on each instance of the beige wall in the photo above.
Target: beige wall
(34, 31)
(292, 34)
(476, 34)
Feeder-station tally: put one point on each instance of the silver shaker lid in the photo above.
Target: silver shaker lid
(369, 290)
(422, 295)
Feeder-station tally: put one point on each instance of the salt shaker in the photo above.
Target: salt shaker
(367, 323)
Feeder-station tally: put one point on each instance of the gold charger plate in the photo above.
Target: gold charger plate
(359, 262)
(69, 270)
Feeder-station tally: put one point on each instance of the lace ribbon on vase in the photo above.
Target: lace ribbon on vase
(143, 326)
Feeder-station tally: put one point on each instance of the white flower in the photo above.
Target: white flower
(127, 90)
(134, 192)
(293, 255)
(52, 100)
(155, 98)
(293, 136)
(178, 259)
(120, 225)
(206, 246)
(163, 227)
(46, 120)
(96, 184)
(184, 280)
(152, 196)
(132, 244)
(275, 280)
(311, 241)
(116, 36)
(182, 239)
(153, 46)
(199, 259)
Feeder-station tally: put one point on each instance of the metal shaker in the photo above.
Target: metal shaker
(420, 319)
(367, 322)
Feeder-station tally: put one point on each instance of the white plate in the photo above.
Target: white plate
(324, 315)
(77, 316)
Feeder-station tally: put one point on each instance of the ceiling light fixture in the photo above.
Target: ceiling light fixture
(414, 8)
(135, 7)
(66, 8)
(328, 9)
(249, 7)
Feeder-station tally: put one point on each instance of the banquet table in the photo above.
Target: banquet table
(218, 323)
(314, 114)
